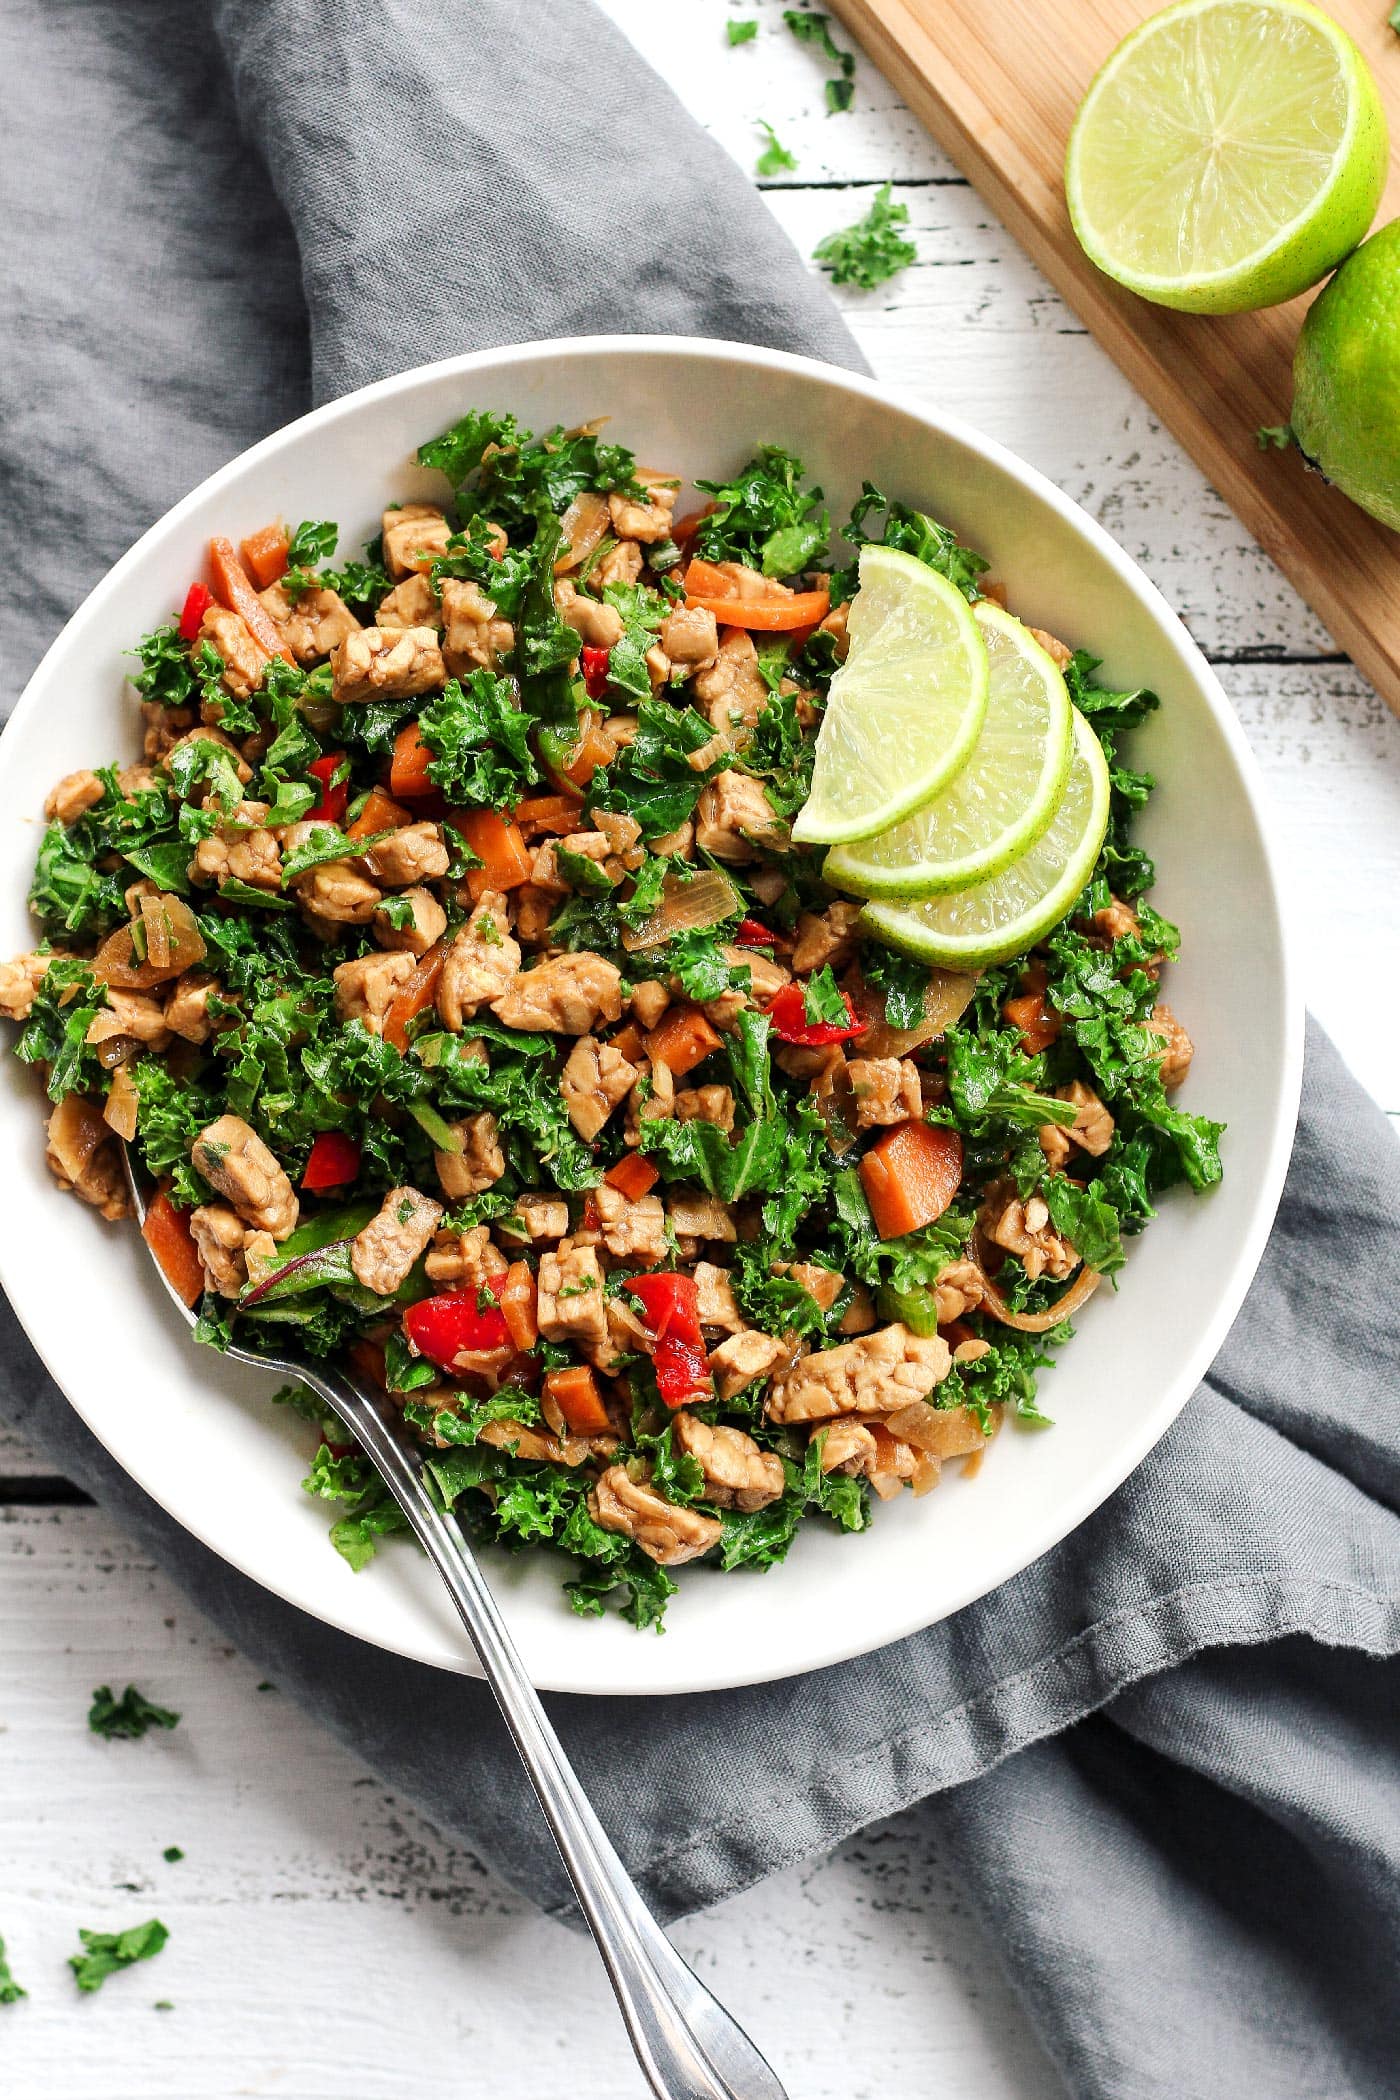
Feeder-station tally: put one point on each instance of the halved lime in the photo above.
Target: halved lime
(1001, 801)
(904, 709)
(971, 929)
(1227, 155)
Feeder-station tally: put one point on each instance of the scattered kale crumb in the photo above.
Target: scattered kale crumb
(106, 1952)
(871, 251)
(129, 1718)
(775, 158)
(10, 1991)
(740, 31)
(811, 27)
(1278, 436)
(266, 1685)
(171, 1854)
(163, 2005)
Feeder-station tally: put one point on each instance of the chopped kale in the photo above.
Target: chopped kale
(128, 1718)
(872, 250)
(764, 516)
(106, 1952)
(480, 742)
(775, 158)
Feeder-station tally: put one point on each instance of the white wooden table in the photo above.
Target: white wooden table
(326, 1941)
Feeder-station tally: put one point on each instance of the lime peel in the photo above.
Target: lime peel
(1002, 800)
(904, 710)
(972, 929)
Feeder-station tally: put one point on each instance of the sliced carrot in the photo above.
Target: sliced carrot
(408, 770)
(232, 589)
(380, 813)
(264, 554)
(417, 993)
(167, 1233)
(682, 1038)
(1038, 1025)
(684, 529)
(593, 749)
(628, 1043)
(776, 611)
(574, 1391)
(537, 813)
(506, 860)
(632, 1176)
(516, 1296)
(910, 1175)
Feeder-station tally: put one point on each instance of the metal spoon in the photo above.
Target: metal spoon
(688, 2046)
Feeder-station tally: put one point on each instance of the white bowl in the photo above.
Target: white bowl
(197, 1433)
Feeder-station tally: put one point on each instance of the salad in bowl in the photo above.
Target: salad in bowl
(665, 987)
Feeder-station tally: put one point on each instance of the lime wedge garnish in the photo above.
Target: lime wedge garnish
(904, 709)
(971, 929)
(1003, 798)
(1228, 155)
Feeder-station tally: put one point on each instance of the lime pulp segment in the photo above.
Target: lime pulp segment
(1001, 802)
(974, 928)
(905, 708)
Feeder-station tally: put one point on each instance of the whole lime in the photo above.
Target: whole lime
(1346, 378)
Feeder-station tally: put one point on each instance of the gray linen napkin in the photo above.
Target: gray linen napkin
(228, 213)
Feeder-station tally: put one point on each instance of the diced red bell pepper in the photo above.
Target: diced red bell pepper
(788, 1014)
(334, 1159)
(595, 671)
(672, 1307)
(442, 1328)
(750, 934)
(198, 599)
(335, 794)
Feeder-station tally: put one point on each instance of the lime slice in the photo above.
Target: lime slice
(1227, 155)
(970, 929)
(904, 709)
(1001, 801)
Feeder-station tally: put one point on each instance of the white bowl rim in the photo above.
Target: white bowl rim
(1097, 1482)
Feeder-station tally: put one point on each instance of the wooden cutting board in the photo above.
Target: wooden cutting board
(997, 83)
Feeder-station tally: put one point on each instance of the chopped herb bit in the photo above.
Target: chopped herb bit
(10, 1991)
(171, 1854)
(775, 158)
(1277, 435)
(740, 31)
(871, 251)
(815, 29)
(106, 1952)
(127, 1718)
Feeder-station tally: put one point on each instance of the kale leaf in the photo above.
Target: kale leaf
(480, 742)
(128, 1718)
(872, 250)
(106, 1952)
(764, 517)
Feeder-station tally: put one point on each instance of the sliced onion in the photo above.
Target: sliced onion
(122, 1103)
(173, 943)
(1083, 1287)
(76, 1131)
(946, 999)
(688, 905)
(583, 525)
(836, 1099)
(942, 1432)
